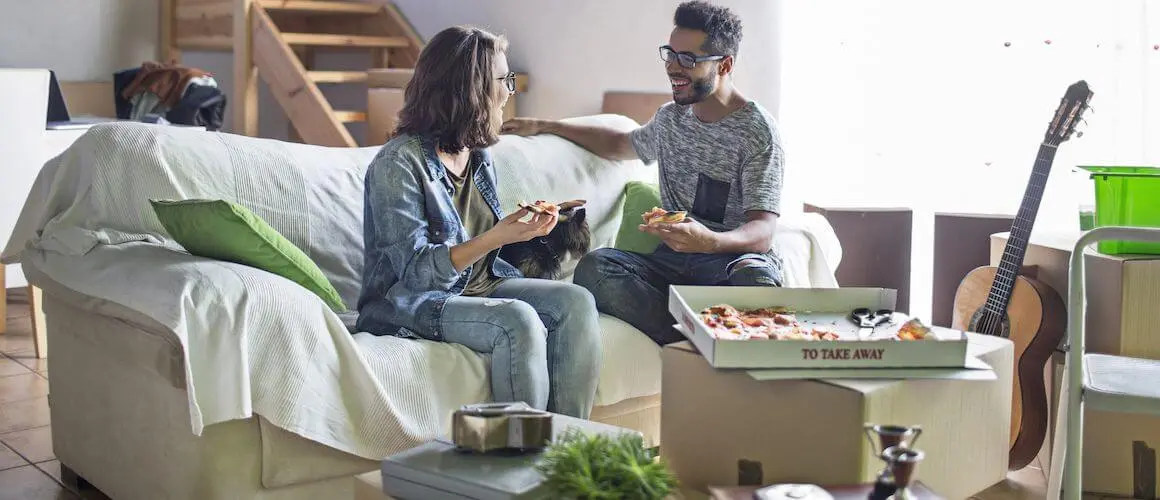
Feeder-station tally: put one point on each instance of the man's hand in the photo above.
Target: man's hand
(687, 236)
(523, 126)
(606, 142)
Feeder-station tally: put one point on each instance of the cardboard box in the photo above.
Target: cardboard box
(723, 428)
(383, 106)
(825, 307)
(1119, 449)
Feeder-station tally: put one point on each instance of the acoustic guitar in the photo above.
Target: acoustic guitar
(997, 300)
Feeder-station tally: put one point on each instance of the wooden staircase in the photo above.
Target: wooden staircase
(277, 40)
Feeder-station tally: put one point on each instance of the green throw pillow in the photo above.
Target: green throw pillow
(223, 230)
(639, 197)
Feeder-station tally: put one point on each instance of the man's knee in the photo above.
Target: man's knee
(754, 272)
(593, 267)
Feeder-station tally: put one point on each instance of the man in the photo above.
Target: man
(720, 160)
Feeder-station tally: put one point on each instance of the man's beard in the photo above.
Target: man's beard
(700, 91)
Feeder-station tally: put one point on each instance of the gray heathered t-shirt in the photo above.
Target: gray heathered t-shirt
(714, 171)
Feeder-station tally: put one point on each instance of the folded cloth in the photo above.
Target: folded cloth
(168, 82)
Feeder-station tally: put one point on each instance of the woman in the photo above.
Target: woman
(433, 230)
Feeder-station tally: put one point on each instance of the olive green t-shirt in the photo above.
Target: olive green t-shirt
(477, 218)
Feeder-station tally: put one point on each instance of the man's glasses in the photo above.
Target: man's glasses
(687, 60)
(509, 81)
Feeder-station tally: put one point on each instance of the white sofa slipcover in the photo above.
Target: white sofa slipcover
(176, 376)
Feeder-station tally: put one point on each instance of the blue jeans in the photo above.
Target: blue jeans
(635, 287)
(544, 341)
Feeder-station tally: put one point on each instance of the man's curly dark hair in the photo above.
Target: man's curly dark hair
(722, 26)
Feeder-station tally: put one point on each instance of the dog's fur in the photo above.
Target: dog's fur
(543, 257)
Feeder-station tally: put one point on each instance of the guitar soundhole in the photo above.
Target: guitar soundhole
(989, 323)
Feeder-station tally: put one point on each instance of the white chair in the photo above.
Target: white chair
(1103, 382)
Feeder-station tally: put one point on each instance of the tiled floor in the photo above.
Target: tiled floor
(29, 471)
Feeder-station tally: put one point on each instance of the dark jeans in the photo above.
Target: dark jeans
(635, 287)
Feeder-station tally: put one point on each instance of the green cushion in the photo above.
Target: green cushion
(639, 197)
(223, 230)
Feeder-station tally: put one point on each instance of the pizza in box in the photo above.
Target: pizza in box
(780, 323)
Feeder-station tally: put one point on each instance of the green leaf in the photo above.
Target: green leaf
(597, 467)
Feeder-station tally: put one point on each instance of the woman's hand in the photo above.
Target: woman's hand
(511, 229)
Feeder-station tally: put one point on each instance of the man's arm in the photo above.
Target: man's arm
(606, 142)
(755, 236)
(690, 236)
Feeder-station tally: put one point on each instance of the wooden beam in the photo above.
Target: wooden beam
(304, 104)
(337, 40)
(350, 116)
(338, 76)
(306, 56)
(321, 7)
(185, 10)
(210, 43)
(220, 25)
(167, 50)
(399, 24)
(245, 96)
(381, 58)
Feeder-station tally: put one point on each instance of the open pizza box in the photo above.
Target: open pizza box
(879, 356)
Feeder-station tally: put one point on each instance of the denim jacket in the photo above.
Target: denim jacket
(409, 227)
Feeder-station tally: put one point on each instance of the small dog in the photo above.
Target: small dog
(543, 257)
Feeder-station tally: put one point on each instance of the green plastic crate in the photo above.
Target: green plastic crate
(1126, 196)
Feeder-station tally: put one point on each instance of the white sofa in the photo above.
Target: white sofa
(175, 376)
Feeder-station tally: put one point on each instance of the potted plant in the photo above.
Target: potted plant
(599, 466)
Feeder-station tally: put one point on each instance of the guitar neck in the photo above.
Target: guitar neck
(1012, 261)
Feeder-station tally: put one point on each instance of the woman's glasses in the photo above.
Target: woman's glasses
(509, 81)
(687, 60)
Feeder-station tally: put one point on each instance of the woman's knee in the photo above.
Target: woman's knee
(520, 323)
(576, 299)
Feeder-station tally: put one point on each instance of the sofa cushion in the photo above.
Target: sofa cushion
(312, 195)
(223, 230)
(639, 197)
(547, 167)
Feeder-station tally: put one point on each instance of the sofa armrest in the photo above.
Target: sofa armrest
(172, 294)
(237, 326)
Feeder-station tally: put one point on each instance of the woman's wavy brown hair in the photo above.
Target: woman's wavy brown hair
(450, 96)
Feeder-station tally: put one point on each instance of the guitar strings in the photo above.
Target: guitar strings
(1009, 265)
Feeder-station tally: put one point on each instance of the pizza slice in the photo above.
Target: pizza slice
(914, 330)
(659, 215)
(539, 207)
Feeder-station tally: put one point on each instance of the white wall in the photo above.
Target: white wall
(80, 39)
(575, 50)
